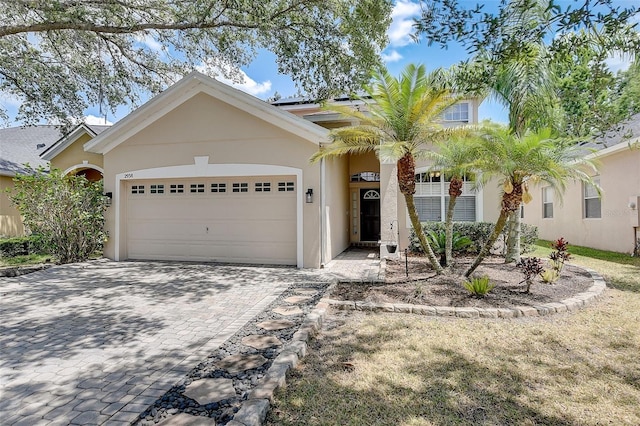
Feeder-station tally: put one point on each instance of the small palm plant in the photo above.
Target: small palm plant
(479, 286)
(438, 243)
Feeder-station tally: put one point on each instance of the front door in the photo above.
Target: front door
(369, 214)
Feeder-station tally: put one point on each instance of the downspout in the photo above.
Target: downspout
(323, 216)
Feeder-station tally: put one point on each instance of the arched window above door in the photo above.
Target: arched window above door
(372, 194)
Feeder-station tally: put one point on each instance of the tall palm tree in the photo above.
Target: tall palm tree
(456, 158)
(403, 119)
(519, 160)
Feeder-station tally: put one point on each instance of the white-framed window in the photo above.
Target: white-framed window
(286, 186)
(592, 200)
(263, 187)
(457, 112)
(137, 189)
(432, 198)
(176, 188)
(196, 188)
(240, 187)
(218, 187)
(365, 177)
(156, 189)
(547, 202)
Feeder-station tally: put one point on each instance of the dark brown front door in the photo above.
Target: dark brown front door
(369, 214)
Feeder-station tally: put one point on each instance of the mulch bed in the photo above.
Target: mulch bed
(423, 287)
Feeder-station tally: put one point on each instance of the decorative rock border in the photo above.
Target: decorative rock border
(16, 271)
(567, 305)
(254, 409)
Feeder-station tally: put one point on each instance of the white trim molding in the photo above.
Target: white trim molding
(84, 165)
(202, 168)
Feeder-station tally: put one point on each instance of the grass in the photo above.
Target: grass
(579, 368)
(25, 260)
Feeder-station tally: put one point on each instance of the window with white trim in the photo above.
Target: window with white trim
(465, 209)
(218, 187)
(547, 202)
(137, 189)
(176, 188)
(240, 187)
(196, 188)
(156, 189)
(286, 186)
(263, 187)
(365, 177)
(457, 112)
(432, 198)
(592, 200)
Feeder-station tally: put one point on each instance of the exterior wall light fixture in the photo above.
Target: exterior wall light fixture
(309, 195)
(109, 196)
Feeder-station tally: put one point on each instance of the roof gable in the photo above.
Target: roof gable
(185, 89)
(67, 140)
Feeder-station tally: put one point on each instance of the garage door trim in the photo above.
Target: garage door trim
(202, 168)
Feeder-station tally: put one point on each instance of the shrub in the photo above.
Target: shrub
(531, 266)
(549, 276)
(478, 233)
(66, 211)
(438, 243)
(560, 254)
(22, 246)
(479, 286)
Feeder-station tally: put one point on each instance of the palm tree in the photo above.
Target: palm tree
(404, 115)
(455, 158)
(519, 160)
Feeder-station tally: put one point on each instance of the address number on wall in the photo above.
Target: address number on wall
(128, 175)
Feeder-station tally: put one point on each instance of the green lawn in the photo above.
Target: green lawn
(26, 260)
(580, 368)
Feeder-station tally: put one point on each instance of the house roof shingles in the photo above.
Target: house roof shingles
(21, 145)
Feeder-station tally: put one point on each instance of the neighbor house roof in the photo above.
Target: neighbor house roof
(22, 145)
(626, 131)
(191, 85)
(61, 144)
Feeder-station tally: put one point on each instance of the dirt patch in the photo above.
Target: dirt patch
(423, 287)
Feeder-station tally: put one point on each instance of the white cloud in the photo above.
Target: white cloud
(392, 56)
(149, 41)
(239, 79)
(99, 121)
(248, 85)
(402, 22)
(9, 100)
(618, 62)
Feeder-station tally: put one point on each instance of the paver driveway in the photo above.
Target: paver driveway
(98, 342)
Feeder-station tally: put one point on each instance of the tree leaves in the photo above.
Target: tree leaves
(60, 57)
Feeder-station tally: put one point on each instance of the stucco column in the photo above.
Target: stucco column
(389, 209)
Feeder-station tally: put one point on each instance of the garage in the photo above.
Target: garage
(249, 219)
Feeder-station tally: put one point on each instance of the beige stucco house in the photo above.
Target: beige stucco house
(68, 154)
(609, 222)
(206, 172)
(20, 146)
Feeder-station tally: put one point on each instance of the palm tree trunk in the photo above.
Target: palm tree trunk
(513, 238)
(455, 190)
(497, 229)
(417, 227)
(407, 183)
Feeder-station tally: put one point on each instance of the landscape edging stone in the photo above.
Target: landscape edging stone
(570, 304)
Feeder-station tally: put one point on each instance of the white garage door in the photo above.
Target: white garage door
(239, 220)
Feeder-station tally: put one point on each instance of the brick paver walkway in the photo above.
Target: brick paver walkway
(97, 343)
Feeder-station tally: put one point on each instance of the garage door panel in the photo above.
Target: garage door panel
(249, 227)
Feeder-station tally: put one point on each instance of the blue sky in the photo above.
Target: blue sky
(262, 79)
